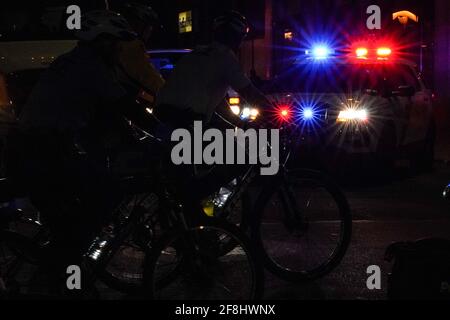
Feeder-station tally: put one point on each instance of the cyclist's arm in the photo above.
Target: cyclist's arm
(118, 100)
(254, 97)
(136, 64)
(243, 85)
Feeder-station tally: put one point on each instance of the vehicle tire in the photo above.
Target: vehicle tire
(282, 232)
(183, 265)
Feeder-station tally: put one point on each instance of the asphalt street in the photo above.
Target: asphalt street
(405, 207)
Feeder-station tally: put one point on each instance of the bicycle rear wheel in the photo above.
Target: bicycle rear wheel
(303, 227)
(187, 265)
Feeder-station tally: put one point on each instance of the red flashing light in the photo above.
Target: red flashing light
(366, 53)
(283, 113)
(384, 52)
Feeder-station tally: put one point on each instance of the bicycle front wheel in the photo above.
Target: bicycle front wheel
(303, 227)
(189, 265)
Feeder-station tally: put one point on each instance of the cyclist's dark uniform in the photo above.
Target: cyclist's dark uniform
(62, 150)
(194, 91)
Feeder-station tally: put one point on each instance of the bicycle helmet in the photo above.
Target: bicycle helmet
(141, 12)
(99, 22)
(233, 22)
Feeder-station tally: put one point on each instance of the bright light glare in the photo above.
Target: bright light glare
(308, 113)
(352, 115)
(321, 52)
(254, 113)
(236, 110)
(246, 112)
(362, 52)
(283, 112)
(384, 52)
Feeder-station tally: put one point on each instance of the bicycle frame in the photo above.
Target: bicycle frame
(251, 174)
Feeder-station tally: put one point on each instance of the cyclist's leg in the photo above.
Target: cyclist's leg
(194, 188)
(97, 198)
(39, 172)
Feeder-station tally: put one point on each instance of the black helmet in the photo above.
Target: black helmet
(141, 12)
(232, 21)
(99, 22)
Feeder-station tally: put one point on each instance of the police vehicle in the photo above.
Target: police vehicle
(362, 103)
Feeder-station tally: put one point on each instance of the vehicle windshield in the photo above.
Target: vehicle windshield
(340, 78)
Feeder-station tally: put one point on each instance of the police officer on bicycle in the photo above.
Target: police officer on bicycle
(61, 151)
(196, 90)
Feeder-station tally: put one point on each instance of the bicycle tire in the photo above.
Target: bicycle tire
(257, 273)
(344, 211)
(118, 283)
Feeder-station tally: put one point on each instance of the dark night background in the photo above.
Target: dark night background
(266, 49)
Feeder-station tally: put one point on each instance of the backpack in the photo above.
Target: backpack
(421, 270)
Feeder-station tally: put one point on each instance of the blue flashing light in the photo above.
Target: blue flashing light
(320, 52)
(308, 114)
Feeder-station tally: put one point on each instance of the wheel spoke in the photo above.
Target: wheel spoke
(303, 228)
(204, 273)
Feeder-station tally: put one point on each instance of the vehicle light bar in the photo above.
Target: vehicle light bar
(380, 53)
(384, 52)
(361, 53)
